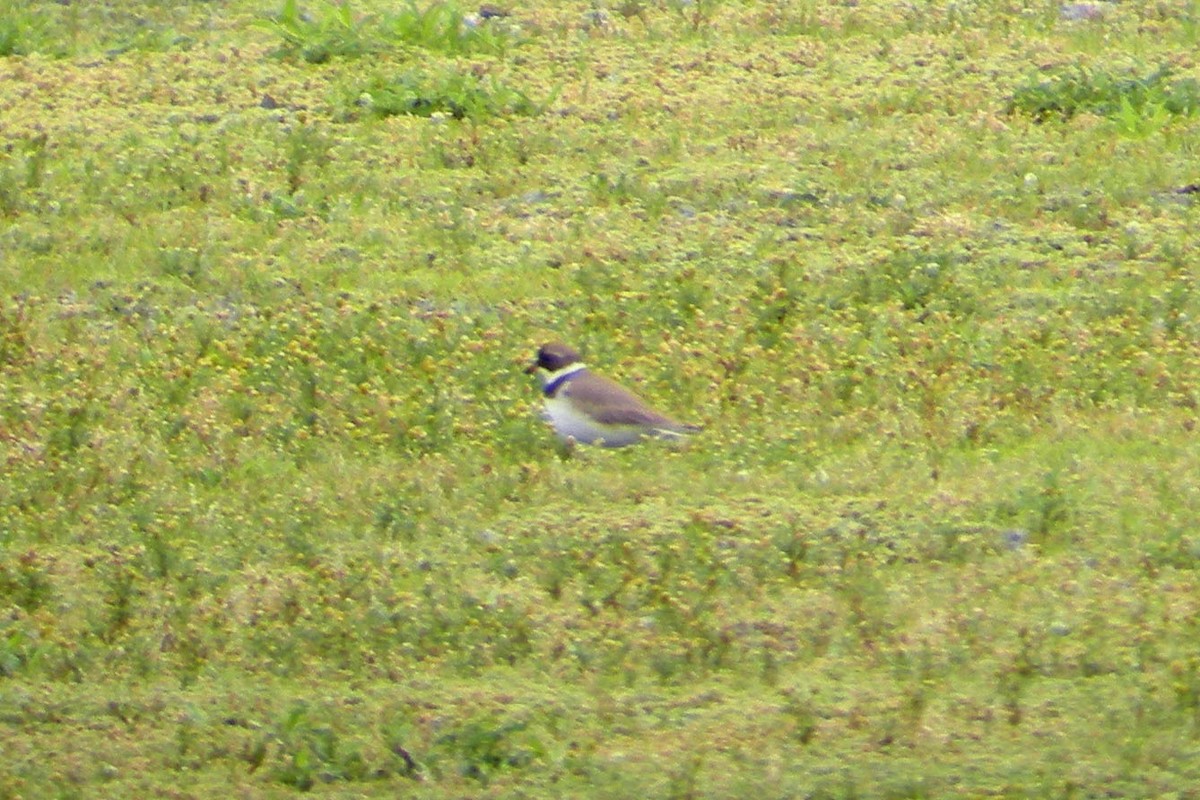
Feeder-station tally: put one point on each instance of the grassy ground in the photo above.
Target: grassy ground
(277, 514)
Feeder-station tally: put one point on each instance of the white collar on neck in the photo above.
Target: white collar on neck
(552, 380)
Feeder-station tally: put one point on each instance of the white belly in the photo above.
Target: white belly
(570, 424)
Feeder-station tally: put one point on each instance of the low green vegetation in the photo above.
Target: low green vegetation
(277, 513)
(97, 29)
(449, 94)
(1078, 90)
(326, 29)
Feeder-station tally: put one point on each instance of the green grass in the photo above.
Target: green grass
(319, 31)
(278, 515)
(1138, 105)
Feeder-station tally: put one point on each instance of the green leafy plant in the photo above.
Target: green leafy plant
(449, 93)
(14, 648)
(24, 581)
(64, 29)
(487, 745)
(444, 27)
(1137, 123)
(122, 591)
(333, 30)
(310, 750)
(1129, 99)
(17, 30)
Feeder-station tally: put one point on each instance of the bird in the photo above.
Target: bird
(587, 408)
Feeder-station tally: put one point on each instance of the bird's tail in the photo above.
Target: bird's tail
(678, 432)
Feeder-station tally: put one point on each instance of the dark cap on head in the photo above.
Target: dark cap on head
(553, 356)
